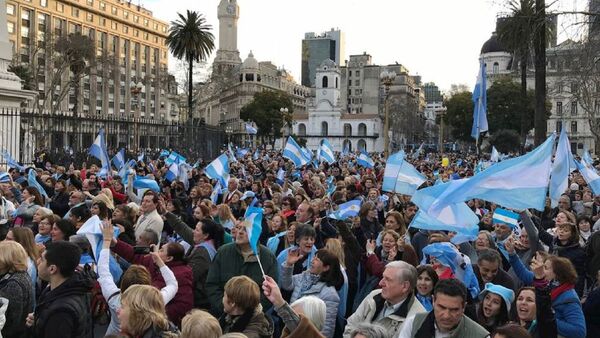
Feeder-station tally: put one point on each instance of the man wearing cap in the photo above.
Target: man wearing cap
(505, 222)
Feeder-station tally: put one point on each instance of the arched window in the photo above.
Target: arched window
(347, 129)
(336, 82)
(347, 145)
(362, 129)
(324, 128)
(301, 129)
(496, 68)
(362, 145)
(325, 83)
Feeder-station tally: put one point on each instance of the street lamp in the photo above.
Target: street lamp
(135, 87)
(387, 78)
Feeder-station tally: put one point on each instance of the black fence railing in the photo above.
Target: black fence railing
(25, 132)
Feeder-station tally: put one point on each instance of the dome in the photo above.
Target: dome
(328, 64)
(250, 63)
(492, 45)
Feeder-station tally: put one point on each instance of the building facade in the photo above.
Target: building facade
(434, 106)
(130, 77)
(317, 48)
(233, 83)
(328, 119)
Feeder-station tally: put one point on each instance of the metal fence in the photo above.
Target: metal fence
(24, 132)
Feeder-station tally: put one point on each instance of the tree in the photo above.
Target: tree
(190, 39)
(506, 141)
(459, 115)
(516, 33)
(539, 45)
(264, 110)
(507, 109)
(24, 73)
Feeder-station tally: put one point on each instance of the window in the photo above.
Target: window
(362, 145)
(495, 68)
(357, 83)
(357, 73)
(574, 87)
(89, 17)
(559, 87)
(301, 129)
(336, 82)
(573, 126)
(349, 83)
(145, 36)
(60, 7)
(145, 22)
(10, 9)
(347, 129)
(11, 27)
(325, 82)
(349, 73)
(125, 29)
(324, 129)
(103, 22)
(574, 108)
(126, 14)
(44, 3)
(136, 18)
(558, 108)
(102, 6)
(597, 106)
(114, 10)
(558, 126)
(362, 129)
(90, 2)
(113, 25)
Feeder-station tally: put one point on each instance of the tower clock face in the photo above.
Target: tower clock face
(231, 9)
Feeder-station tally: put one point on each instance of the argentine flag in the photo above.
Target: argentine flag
(326, 152)
(145, 183)
(587, 158)
(253, 222)
(164, 153)
(400, 176)
(590, 176)
(218, 170)
(416, 154)
(280, 176)
(517, 183)
(348, 209)
(294, 153)
(174, 157)
(98, 150)
(216, 192)
(561, 168)
(250, 129)
(119, 159)
(457, 217)
(365, 160)
(480, 122)
(11, 162)
(231, 153)
(32, 181)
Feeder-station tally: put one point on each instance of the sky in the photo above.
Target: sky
(437, 39)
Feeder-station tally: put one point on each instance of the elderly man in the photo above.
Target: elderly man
(150, 219)
(76, 198)
(232, 189)
(448, 316)
(390, 305)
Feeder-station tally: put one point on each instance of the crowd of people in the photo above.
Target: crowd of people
(178, 262)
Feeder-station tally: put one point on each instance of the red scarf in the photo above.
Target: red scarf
(557, 291)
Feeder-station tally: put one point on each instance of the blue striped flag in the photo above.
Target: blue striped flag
(480, 122)
(400, 176)
(145, 183)
(216, 192)
(561, 168)
(416, 154)
(218, 169)
(253, 222)
(345, 210)
(231, 153)
(326, 152)
(119, 159)
(587, 158)
(174, 157)
(98, 150)
(250, 129)
(365, 160)
(32, 181)
(590, 176)
(164, 153)
(280, 176)
(294, 152)
(11, 162)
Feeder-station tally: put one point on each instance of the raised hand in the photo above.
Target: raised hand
(155, 256)
(537, 266)
(293, 257)
(272, 291)
(509, 244)
(370, 246)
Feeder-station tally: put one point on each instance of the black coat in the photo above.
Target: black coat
(65, 311)
(575, 253)
(17, 289)
(60, 204)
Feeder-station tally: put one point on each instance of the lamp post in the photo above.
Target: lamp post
(441, 113)
(387, 78)
(135, 87)
(284, 111)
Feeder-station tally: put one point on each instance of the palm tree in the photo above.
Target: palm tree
(516, 34)
(190, 39)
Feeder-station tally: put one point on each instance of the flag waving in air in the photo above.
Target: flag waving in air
(326, 152)
(295, 153)
(480, 122)
(98, 150)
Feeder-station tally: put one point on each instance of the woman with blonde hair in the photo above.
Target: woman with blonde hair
(15, 285)
(143, 314)
(225, 217)
(199, 323)
(24, 236)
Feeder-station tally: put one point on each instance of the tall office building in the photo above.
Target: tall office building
(131, 79)
(318, 48)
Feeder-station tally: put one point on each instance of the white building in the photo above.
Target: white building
(327, 117)
(498, 61)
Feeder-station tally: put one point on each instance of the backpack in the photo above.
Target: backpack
(98, 305)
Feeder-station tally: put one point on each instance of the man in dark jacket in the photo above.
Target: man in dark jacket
(489, 270)
(63, 309)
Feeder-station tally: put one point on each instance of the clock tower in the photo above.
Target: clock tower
(228, 55)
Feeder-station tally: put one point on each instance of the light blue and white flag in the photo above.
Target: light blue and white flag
(495, 157)
(365, 160)
(125, 170)
(587, 158)
(480, 122)
(145, 183)
(294, 152)
(174, 157)
(590, 176)
(119, 159)
(346, 150)
(280, 176)
(184, 169)
(330, 185)
(326, 152)
(32, 181)
(256, 155)
(231, 153)
(11, 162)
(141, 157)
(253, 222)
(503, 216)
(561, 168)
(400, 176)
(214, 196)
(250, 129)
(173, 172)
(218, 170)
(5, 177)
(517, 183)
(345, 210)
(308, 154)
(240, 153)
(416, 154)
(164, 153)
(98, 150)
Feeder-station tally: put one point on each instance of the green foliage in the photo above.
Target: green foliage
(264, 110)
(190, 37)
(459, 115)
(24, 73)
(506, 141)
(505, 106)
(78, 51)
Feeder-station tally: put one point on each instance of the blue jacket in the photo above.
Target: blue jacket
(570, 321)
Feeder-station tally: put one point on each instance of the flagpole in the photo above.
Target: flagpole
(260, 265)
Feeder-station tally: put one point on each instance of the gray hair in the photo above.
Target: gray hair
(404, 272)
(314, 309)
(369, 331)
(44, 211)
